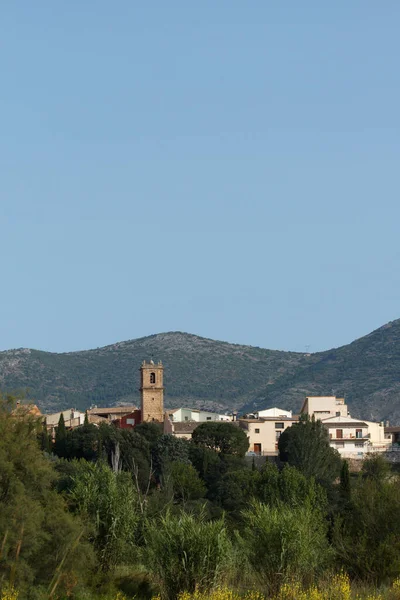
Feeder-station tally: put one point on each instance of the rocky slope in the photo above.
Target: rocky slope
(216, 375)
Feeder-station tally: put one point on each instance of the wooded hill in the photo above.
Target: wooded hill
(205, 373)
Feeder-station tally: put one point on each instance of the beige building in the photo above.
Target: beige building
(264, 433)
(72, 418)
(356, 437)
(323, 407)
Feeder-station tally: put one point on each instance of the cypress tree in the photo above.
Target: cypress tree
(61, 438)
(45, 438)
(345, 485)
(86, 421)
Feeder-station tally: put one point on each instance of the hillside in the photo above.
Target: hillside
(211, 374)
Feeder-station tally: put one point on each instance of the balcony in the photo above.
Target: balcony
(348, 437)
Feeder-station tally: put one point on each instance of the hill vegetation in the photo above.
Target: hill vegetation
(205, 373)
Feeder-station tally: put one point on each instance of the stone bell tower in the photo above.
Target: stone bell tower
(152, 391)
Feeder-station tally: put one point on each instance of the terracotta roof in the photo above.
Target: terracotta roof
(185, 426)
(113, 410)
(27, 409)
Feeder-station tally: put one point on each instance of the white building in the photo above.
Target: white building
(274, 412)
(72, 418)
(355, 437)
(178, 415)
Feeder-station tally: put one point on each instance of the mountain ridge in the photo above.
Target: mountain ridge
(213, 374)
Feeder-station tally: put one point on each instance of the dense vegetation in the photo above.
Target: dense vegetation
(104, 513)
(205, 373)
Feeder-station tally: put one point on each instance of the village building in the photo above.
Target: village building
(72, 418)
(274, 412)
(323, 407)
(192, 414)
(264, 433)
(352, 437)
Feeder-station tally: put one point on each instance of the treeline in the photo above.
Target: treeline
(109, 513)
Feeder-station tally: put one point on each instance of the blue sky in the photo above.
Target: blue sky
(229, 168)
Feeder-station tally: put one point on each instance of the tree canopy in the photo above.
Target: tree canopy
(221, 436)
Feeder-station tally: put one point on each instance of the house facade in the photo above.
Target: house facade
(323, 407)
(178, 415)
(356, 437)
(264, 433)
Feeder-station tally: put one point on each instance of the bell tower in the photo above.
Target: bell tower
(152, 391)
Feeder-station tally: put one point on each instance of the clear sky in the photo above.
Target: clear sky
(225, 168)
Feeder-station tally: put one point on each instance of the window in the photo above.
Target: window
(338, 414)
(152, 377)
(277, 435)
(256, 431)
(339, 433)
(186, 418)
(339, 444)
(359, 433)
(279, 425)
(358, 445)
(208, 418)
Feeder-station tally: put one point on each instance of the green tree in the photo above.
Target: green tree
(345, 484)
(169, 449)
(45, 439)
(367, 536)
(150, 431)
(290, 487)
(375, 467)
(38, 535)
(235, 489)
(305, 446)
(285, 543)
(82, 442)
(60, 441)
(187, 553)
(186, 483)
(223, 437)
(109, 503)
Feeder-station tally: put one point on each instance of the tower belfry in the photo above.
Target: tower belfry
(152, 391)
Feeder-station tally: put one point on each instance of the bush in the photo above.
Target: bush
(185, 553)
(285, 543)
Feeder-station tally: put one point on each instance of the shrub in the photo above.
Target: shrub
(186, 553)
(285, 543)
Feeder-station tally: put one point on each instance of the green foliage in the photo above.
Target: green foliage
(221, 436)
(61, 438)
(38, 537)
(151, 432)
(235, 489)
(186, 483)
(289, 486)
(367, 538)
(185, 553)
(285, 543)
(305, 446)
(127, 448)
(345, 484)
(375, 467)
(82, 442)
(109, 503)
(168, 449)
